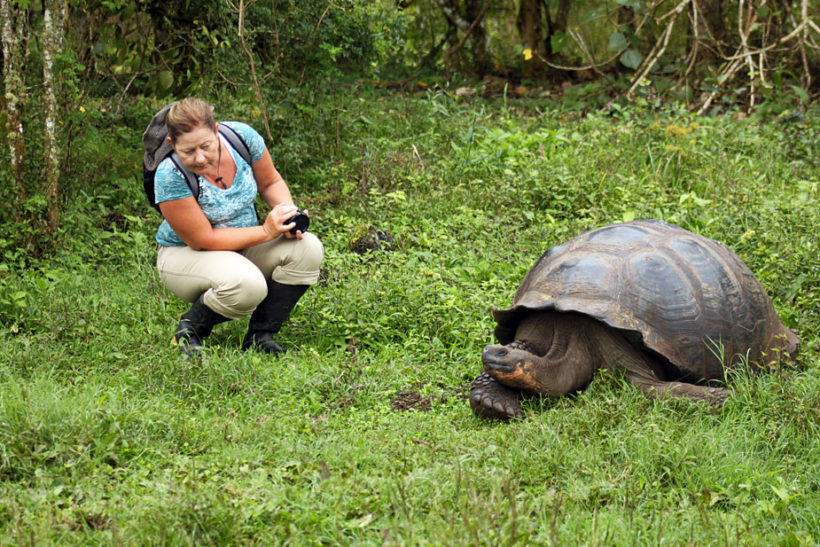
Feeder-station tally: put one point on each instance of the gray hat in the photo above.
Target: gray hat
(155, 140)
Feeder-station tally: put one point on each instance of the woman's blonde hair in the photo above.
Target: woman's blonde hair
(188, 114)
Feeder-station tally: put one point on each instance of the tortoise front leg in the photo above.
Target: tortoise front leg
(490, 399)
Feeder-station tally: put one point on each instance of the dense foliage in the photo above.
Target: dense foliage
(284, 63)
(363, 434)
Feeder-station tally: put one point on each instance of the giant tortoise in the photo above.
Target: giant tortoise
(670, 308)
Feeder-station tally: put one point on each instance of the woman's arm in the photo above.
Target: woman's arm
(274, 190)
(272, 187)
(192, 226)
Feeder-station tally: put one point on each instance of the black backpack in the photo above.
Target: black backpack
(157, 148)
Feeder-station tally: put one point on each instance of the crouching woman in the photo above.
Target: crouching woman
(213, 250)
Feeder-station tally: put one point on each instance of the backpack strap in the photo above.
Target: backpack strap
(190, 177)
(241, 147)
(235, 140)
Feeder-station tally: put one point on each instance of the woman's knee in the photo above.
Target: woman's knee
(311, 253)
(238, 295)
(301, 263)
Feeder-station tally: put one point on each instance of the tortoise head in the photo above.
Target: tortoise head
(549, 355)
(513, 365)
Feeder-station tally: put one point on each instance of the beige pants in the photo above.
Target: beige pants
(235, 282)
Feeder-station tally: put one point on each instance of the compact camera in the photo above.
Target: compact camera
(302, 222)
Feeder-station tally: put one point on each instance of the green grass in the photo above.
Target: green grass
(363, 435)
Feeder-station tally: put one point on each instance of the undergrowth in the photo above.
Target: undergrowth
(363, 434)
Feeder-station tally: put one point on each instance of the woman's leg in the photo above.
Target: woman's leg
(229, 284)
(289, 261)
(290, 266)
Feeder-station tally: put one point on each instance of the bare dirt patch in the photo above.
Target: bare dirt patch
(412, 400)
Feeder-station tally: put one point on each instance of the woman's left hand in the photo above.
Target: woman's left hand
(282, 213)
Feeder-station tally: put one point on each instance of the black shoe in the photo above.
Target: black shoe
(194, 326)
(270, 315)
(261, 341)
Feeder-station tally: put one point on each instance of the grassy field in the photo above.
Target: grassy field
(362, 434)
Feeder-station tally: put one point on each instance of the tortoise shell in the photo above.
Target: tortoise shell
(688, 298)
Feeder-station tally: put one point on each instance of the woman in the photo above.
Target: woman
(213, 251)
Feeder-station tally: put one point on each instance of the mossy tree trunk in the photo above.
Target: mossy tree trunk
(12, 19)
(54, 15)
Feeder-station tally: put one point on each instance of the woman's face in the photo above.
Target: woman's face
(198, 149)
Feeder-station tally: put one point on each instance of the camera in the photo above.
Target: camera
(302, 222)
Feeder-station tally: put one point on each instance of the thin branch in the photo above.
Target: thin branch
(584, 49)
(730, 70)
(648, 13)
(124, 91)
(744, 45)
(580, 68)
(804, 12)
(659, 49)
(692, 58)
(307, 41)
(257, 88)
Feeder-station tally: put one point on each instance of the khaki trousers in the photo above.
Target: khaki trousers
(235, 282)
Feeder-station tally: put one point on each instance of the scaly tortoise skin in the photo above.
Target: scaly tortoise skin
(670, 308)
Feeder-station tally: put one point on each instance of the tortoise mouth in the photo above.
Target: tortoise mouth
(501, 368)
(505, 359)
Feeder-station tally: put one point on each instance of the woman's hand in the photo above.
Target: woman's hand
(277, 221)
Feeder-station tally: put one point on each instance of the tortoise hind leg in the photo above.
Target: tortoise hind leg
(658, 389)
(490, 399)
(645, 373)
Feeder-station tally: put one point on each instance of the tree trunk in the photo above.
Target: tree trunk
(531, 35)
(561, 17)
(12, 20)
(481, 54)
(536, 27)
(54, 13)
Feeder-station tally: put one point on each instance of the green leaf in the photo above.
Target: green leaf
(781, 492)
(166, 79)
(631, 58)
(801, 94)
(558, 42)
(617, 41)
